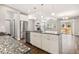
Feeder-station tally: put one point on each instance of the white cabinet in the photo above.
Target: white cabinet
(46, 42)
(68, 44)
(35, 39)
(50, 43)
(54, 44)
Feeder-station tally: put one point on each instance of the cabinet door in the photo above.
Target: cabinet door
(35, 39)
(45, 42)
(68, 44)
(50, 43)
(53, 44)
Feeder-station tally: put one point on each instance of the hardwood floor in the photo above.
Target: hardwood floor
(34, 50)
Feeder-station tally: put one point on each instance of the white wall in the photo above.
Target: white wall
(8, 13)
(3, 16)
(2, 23)
(17, 27)
(23, 17)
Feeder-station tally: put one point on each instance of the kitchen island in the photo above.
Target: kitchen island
(48, 42)
(9, 45)
(54, 43)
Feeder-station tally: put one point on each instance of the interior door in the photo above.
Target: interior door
(23, 28)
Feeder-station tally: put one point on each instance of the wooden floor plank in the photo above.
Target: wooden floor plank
(34, 50)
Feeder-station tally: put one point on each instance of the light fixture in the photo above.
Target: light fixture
(42, 16)
(66, 17)
(31, 17)
(52, 14)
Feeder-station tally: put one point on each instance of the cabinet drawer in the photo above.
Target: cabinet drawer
(53, 37)
(50, 37)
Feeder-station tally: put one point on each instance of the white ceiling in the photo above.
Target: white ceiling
(46, 9)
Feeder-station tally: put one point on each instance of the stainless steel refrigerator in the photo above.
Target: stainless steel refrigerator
(23, 29)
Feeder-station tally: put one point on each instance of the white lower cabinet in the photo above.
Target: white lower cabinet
(50, 43)
(35, 39)
(46, 42)
(54, 44)
(68, 44)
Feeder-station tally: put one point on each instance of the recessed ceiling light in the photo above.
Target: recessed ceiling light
(52, 14)
(63, 17)
(42, 16)
(31, 17)
(66, 17)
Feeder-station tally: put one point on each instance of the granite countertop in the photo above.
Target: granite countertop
(44, 32)
(8, 45)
